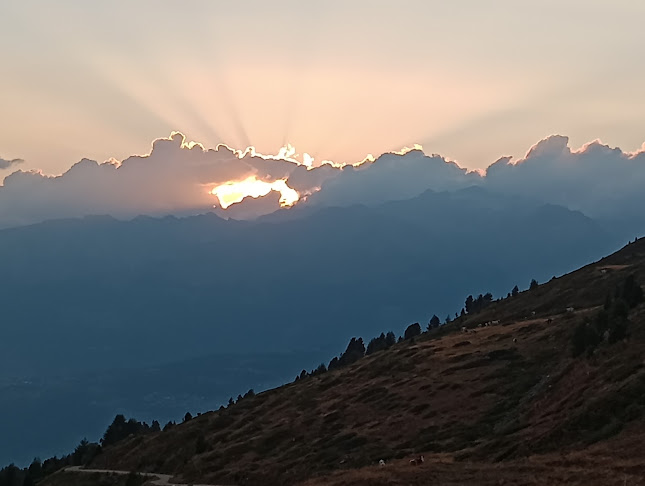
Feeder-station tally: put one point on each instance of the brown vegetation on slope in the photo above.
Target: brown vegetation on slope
(487, 402)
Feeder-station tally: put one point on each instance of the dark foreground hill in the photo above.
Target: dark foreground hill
(538, 397)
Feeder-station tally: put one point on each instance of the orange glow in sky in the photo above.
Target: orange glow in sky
(234, 192)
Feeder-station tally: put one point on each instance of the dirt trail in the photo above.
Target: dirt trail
(162, 479)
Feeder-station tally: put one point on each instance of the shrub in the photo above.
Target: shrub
(201, 445)
(412, 330)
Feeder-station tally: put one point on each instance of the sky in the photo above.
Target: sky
(472, 80)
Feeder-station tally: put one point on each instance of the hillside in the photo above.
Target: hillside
(507, 402)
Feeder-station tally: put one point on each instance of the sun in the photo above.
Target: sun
(235, 191)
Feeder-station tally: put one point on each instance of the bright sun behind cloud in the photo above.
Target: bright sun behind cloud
(234, 192)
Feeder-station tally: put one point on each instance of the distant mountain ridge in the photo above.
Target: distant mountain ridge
(175, 276)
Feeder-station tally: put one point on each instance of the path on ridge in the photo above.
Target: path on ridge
(162, 479)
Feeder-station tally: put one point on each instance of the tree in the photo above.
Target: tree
(469, 304)
(188, 417)
(36, 469)
(81, 453)
(474, 305)
(534, 284)
(448, 320)
(412, 330)
(390, 339)
(355, 351)
(231, 401)
(333, 364)
(434, 322)
(168, 426)
(251, 393)
(631, 292)
(10, 474)
(303, 374)
(155, 427)
(376, 344)
(585, 337)
(116, 431)
(515, 291)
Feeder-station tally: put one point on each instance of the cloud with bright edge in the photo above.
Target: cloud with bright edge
(180, 177)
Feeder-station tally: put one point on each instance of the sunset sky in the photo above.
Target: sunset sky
(472, 80)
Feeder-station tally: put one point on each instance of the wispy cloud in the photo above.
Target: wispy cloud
(8, 163)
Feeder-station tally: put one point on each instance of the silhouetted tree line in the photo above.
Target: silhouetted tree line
(120, 428)
(12, 475)
(83, 454)
(355, 350)
(478, 304)
(611, 323)
(380, 343)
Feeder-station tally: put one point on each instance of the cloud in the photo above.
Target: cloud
(393, 176)
(7, 163)
(600, 181)
(178, 177)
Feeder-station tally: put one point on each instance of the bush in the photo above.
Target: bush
(201, 445)
(585, 338)
(631, 292)
(611, 323)
(412, 330)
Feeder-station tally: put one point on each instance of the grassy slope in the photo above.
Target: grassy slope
(476, 404)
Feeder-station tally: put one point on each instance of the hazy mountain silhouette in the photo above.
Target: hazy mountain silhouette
(98, 294)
